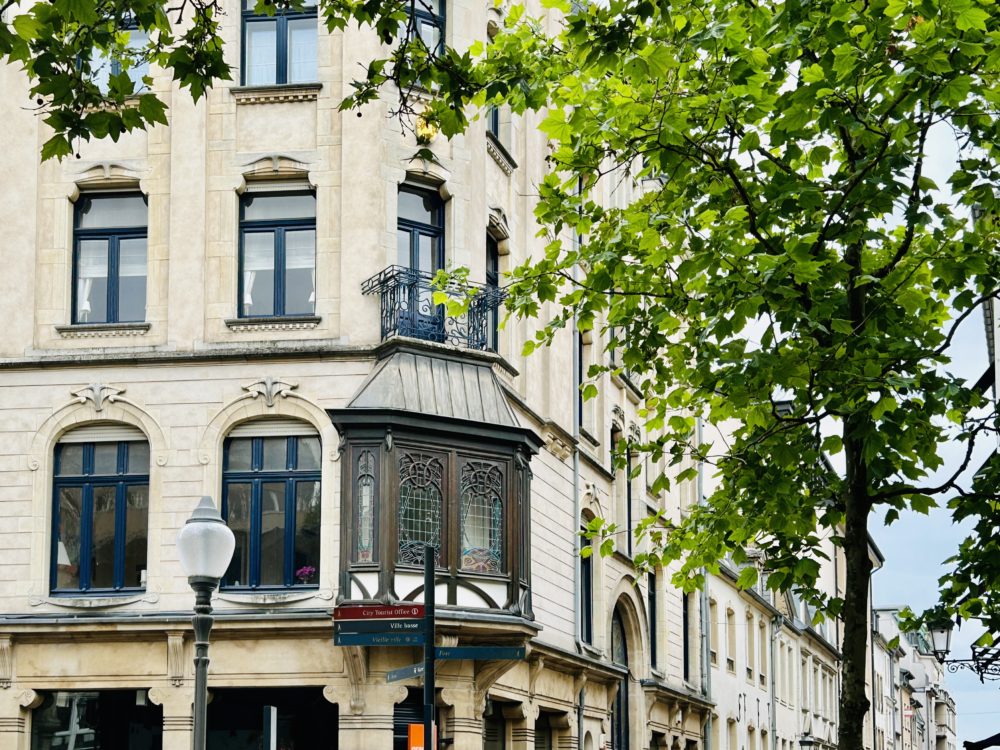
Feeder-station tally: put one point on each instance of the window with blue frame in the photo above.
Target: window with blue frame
(493, 121)
(420, 248)
(109, 258)
(280, 48)
(426, 22)
(277, 254)
(100, 517)
(271, 501)
(493, 287)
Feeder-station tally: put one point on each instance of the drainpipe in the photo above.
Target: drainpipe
(706, 666)
(577, 509)
(776, 622)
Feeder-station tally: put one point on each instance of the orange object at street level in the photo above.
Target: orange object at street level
(415, 737)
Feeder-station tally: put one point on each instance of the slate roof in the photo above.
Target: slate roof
(436, 385)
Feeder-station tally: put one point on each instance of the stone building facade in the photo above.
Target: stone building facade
(238, 305)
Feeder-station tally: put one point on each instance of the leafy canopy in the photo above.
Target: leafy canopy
(786, 265)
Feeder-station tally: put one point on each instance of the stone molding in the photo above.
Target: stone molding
(102, 330)
(293, 92)
(500, 155)
(289, 323)
(6, 661)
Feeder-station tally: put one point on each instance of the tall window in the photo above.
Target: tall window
(420, 229)
(420, 248)
(619, 711)
(277, 254)
(651, 606)
(763, 650)
(279, 48)
(751, 636)
(587, 593)
(103, 67)
(730, 640)
(427, 23)
(686, 633)
(420, 506)
(271, 501)
(492, 287)
(482, 517)
(713, 631)
(493, 121)
(100, 516)
(109, 258)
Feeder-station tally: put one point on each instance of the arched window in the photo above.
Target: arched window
(100, 510)
(619, 711)
(271, 501)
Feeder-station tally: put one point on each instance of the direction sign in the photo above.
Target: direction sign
(379, 626)
(404, 673)
(378, 611)
(479, 652)
(378, 639)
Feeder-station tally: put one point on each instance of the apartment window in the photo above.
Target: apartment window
(426, 22)
(751, 636)
(420, 229)
(271, 501)
(628, 494)
(493, 122)
(100, 514)
(103, 68)
(651, 606)
(731, 743)
(109, 258)
(587, 593)
(762, 630)
(280, 48)
(277, 254)
(730, 640)
(713, 632)
(493, 289)
(686, 600)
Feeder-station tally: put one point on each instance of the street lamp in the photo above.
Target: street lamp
(985, 660)
(205, 546)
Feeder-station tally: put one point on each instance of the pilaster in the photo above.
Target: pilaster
(178, 716)
(372, 726)
(15, 710)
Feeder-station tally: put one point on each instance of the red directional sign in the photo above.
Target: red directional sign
(378, 611)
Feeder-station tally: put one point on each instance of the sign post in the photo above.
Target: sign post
(430, 739)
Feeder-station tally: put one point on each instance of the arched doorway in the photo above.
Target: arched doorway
(619, 711)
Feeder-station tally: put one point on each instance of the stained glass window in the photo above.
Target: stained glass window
(420, 497)
(364, 545)
(482, 517)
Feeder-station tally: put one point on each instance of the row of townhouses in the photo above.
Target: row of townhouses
(239, 305)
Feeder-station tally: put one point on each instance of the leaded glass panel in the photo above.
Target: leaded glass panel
(482, 517)
(420, 500)
(364, 545)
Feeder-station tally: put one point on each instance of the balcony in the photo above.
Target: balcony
(408, 309)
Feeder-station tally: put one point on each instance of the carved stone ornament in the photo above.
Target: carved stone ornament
(270, 389)
(175, 657)
(557, 446)
(98, 394)
(356, 663)
(619, 415)
(634, 434)
(6, 661)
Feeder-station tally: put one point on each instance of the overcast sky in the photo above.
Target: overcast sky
(916, 546)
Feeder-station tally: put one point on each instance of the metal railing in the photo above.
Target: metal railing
(408, 309)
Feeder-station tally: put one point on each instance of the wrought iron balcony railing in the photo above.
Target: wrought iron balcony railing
(408, 309)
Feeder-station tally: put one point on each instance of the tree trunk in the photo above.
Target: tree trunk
(853, 700)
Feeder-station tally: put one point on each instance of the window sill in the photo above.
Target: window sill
(273, 597)
(97, 330)
(98, 601)
(283, 92)
(277, 323)
(500, 154)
